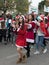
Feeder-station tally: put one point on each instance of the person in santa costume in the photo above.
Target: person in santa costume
(29, 34)
(41, 31)
(21, 39)
(47, 29)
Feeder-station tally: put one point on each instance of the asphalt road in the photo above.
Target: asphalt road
(9, 55)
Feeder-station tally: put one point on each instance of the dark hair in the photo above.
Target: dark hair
(41, 21)
(22, 27)
(46, 20)
(33, 18)
(28, 18)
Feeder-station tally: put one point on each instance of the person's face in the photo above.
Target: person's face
(30, 17)
(20, 20)
(26, 20)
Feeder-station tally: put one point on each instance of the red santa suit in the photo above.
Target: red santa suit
(21, 38)
(13, 21)
(30, 33)
(42, 26)
(47, 31)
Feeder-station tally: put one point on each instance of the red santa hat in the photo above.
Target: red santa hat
(42, 16)
(1, 19)
(17, 17)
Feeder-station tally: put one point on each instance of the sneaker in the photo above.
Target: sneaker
(45, 50)
(37, 52)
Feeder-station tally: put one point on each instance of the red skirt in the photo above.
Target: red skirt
(21, 42)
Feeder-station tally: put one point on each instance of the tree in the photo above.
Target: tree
(1, 4)
(47, 2)
(6, 4)
(22, 6)
(42, 3)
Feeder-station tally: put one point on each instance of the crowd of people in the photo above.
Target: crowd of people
(6, 30)
(31, 29)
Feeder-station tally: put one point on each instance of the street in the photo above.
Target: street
(8, 56)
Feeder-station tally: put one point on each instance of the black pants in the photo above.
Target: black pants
(28, 49)
(0, 35)
(44, 42)
(3, 34)
(8, 35)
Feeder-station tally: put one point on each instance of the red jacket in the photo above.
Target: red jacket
(43, 27)
(47, 32)
(21, 38)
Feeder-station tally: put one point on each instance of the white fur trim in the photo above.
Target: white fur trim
(29, 26)
(1, 20)
(20, 46)
(46, 37)
(30, 40)
(18, 29)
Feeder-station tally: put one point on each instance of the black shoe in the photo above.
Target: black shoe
(5, 43)
(28, 55)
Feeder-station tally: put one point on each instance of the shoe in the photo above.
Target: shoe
(19, 60)
(37, 52)
(45, 50)
(28, 55)
(5, 43)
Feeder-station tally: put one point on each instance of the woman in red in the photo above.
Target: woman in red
(30, 34)
(47, 28)
(21, 39)
(47, 31)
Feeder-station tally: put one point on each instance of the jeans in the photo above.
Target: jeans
(39, 41)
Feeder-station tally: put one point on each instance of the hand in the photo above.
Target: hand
(13, 25)
(17, 26)
(26, 23)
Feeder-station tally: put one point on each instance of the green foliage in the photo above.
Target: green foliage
(42, 3)
(9, 4)
(47, 3)
(1, 4)
(22, 6)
